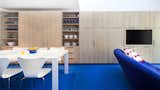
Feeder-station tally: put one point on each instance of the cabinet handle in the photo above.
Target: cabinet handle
(94, 43)
(153, 42)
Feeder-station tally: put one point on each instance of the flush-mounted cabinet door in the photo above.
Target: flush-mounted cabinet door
(86, 19)
(115, 40)
(101, 45)
(39, 28)
(87, 45)
(54, 29)
(113, 19)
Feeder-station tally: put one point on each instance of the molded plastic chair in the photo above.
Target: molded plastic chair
(7, 72)
(32, 68)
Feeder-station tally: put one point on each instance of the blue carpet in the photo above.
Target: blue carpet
(81, 77)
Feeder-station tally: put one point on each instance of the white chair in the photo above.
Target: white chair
(7, 72)
(42, 50)
(33, 68)
(19, 49)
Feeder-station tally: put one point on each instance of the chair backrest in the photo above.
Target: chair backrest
(54, 48)
(31, 67)
(58, 50)
(4, 62)
(16, 49)
(42, 50)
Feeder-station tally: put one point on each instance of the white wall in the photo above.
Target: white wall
(119, 5)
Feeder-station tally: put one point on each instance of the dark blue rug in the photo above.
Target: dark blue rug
(81, 77)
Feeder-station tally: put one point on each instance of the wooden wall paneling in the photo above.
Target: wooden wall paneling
(113, 19)
(25, 33)
(115, 40)
(86, 19)
(87, 47)
(39, 28)
(156, 19)
(55, 29)
(101, 45)
(98, 19)
(142, 20)
(156, 44)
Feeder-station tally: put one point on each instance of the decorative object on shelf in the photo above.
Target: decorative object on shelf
(10, 28)
(70, 29)
(32, 50)
(11, 43)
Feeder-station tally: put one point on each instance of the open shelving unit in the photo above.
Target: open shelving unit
(10, 28)
(70, 34)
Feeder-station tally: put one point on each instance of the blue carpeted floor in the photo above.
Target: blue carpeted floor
(81, 77)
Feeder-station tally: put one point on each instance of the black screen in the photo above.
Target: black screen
(138, 36)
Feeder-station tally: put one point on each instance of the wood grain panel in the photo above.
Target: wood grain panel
(41, 28)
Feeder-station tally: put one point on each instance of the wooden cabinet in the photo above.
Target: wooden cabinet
(100, 37)
(86, 19)
(137, 19)
(87, 45)
(40, 28)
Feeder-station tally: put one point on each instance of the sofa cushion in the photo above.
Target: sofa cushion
(132, 54)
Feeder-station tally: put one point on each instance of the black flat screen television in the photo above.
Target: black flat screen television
(139, 37)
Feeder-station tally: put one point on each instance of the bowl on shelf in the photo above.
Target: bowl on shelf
(11, 43)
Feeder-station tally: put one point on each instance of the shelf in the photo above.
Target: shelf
(11, 24)
(10, 38)
(71, 17)
(12, 31)
(71, 46)
(76, 24)
(74, 31)
(12, 17)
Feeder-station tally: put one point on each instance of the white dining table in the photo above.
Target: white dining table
(55, 55)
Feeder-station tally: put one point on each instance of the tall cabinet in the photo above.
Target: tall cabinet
(40, 28)
(99, 36)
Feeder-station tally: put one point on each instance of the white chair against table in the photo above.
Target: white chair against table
(17, 49)
(42, 50)
(33, 68)
(6, 72)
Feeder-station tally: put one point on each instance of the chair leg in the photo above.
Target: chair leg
(43, 83)
(9, 84)
(21, 83)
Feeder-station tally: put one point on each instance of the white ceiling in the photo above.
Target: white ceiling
(40, 4)
(84, 5)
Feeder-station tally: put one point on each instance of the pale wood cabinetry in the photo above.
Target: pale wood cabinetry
(41, 28)
(100, 37)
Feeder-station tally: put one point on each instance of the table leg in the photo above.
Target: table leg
(55, 74)
(66, 62)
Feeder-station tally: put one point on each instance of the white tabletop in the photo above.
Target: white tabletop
(13, 55)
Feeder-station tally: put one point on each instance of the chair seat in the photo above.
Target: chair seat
(41, 74)
(44, 72)
(11, 72)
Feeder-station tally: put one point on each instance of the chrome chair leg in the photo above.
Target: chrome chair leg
(21, 83)
(9, 84)
(43, 83)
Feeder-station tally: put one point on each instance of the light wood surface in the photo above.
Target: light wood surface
(102, 32)
(41, 28)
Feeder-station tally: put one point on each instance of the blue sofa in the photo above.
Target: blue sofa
(141, 75)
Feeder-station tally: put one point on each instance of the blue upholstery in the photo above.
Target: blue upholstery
(141, 75)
